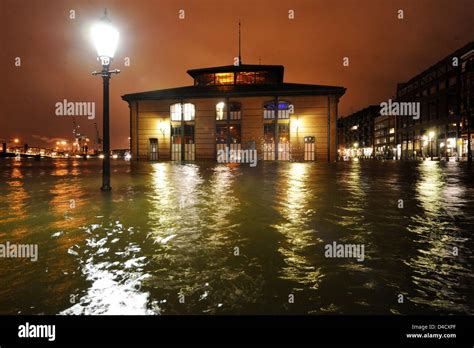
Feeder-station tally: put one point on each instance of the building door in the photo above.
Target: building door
(176, 143)
(153, 149)
(269, 142)
(309, 148)
(283, 142)
(178, 136)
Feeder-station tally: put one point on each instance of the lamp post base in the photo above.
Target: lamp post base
(106, 188)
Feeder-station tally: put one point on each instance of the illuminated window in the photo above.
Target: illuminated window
(269, 133)
(264, 77)
(245, 78)
(283, 133)
(189, 112)
(283, 110)
(235, 111)
(205, 79)
(221, 134)
(224, 79)
(234, 132)
(220, 111)
(355, 127)
(391, 131)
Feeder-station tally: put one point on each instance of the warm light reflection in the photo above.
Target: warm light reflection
(436, 236)
(292, 204)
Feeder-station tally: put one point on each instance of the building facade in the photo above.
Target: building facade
(357, 136)
(444, 93)
(384, 137)
(235, 108)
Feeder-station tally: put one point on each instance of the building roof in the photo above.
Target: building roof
(278, 69)
(371, 110)
(244, 90)
(458, 53)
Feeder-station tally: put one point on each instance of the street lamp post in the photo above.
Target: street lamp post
(431, 136)
(105, 38)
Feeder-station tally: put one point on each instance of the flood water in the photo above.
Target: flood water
(208, 238)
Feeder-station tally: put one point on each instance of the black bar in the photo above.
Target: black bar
(225, 330)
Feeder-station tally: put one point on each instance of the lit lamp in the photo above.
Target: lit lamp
(105, 38)
(162, 127)
(297, 124)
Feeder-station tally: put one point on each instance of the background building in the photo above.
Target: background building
(444, 92)
(356, 138)
(239, 107)
(384, 137)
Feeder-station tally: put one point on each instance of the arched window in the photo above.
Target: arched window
(189, 112)
(235, 111)
(284, 108)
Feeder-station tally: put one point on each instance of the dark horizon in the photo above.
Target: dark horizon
(57, 57)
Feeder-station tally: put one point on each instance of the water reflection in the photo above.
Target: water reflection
(355, 208)
(114, 267)
(438, 269)
(300, 238)
(173, 229)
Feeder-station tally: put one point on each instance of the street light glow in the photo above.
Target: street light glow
(431, 135)
(105, 38)
(296, 124)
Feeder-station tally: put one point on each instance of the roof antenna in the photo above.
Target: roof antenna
(240, 56)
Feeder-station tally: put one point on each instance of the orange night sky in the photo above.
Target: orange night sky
(57, 56)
